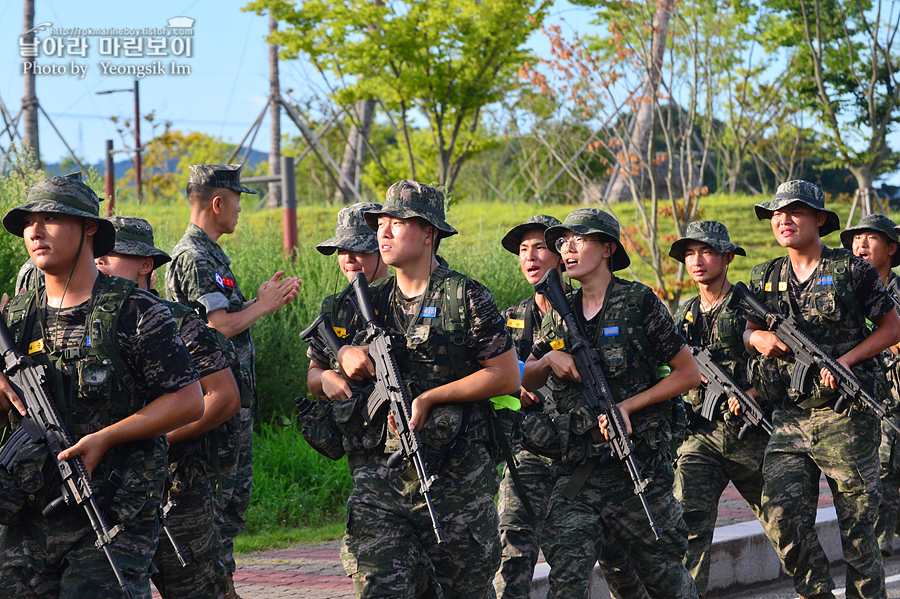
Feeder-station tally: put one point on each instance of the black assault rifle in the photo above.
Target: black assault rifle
(389, 386)
(721, 386)
(808, 356)
(42, 423)
(596, 389)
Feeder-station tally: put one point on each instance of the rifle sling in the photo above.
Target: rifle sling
(579, 477)
(511, 463)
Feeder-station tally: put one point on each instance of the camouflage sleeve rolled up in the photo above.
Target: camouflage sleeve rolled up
(152, 347)
(487, 336)
(660, 329)
(191, 279)
(205, 351)
(316, 351)
(870, 291)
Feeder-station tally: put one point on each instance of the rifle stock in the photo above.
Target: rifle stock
(389, 386)
(42, 423)
(596, 389)
(809, 357)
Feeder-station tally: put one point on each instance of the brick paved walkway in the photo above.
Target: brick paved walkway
(316, 572)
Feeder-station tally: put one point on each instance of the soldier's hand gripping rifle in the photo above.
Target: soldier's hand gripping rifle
(389, 386)
(42, 423)
(597, 393)
(809, 357)
(721, 386)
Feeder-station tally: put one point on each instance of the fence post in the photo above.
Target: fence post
(289, 205)
(110, 177)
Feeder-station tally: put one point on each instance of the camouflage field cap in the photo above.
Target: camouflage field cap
(878, 223)
(409, 199)
(710, 232)
(585, 221)
(538, 222)
(352, 232)
(800, 191)
(227, 176)
(134, 237)
(63, 195)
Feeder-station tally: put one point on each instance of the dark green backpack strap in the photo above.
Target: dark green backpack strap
(103, 322)
(843, 285)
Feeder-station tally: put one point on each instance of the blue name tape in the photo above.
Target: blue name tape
(610, 331)
(826, 281)
(429, 312)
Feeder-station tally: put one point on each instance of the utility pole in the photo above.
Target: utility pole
(29, 97)
(275, 114)
(137, 136)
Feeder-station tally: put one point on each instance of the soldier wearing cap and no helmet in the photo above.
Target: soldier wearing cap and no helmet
(712, 456)
(201, 275)
(117, 423)
(192, 517)
(520, 533)
(831, 293)
(593, 499)
(450, 377)
(876, 241)
(357, 249)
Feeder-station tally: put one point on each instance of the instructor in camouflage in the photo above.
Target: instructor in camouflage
(456, 354)
(712, 456)
(831, 293)
(192, 516)
(200, 276)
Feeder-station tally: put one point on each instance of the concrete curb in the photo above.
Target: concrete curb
(742, 557)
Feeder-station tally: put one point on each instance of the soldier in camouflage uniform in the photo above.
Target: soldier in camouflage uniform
(831, 293)
(875, 240)
(192, 518)
(593, 499)
(357, 251)
(520, 533)
(713, 455)
(451, 369)
(201, 275)
(122, 395)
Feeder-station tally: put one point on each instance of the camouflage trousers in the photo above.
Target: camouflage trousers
(807, 443)
(236, 484)
(43, 559)
(607, 509)
(520, 534)
(389, 529)
(192, 522)
(889, 456)
(707, 461)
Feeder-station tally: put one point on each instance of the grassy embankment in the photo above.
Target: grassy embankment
(299, 496)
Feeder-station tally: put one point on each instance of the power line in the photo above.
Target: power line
(73, 115)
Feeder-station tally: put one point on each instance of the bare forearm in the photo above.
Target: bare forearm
(684, 376)
(500, 376)
(535, 373)
(234, 323)
(221, 401)
(159, 417)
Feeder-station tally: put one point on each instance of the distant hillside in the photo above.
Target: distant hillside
(122, 166)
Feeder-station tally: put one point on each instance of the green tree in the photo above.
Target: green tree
(435, 61)
(843, 54)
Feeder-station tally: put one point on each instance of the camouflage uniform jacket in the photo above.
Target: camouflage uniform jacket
(200, 274)
(831, 306)
(634, 335)
(148, 343)
(422, 328)
(721, 331)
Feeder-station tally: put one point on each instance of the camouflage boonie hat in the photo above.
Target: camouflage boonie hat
(352, 232)
(710, 232)
(800, 191)
(410, 199)
(873, 222)
(585, 221)
(134, 237)
(538, 222)
(63, 195)
(227, 176)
